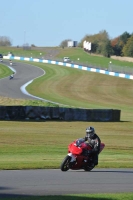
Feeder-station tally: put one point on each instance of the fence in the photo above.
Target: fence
(120, 69)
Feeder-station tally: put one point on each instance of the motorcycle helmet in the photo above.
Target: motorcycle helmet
(90, 131)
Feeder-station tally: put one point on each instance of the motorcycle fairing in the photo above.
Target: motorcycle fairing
(73, 158)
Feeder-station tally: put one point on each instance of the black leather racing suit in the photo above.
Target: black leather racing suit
(95, 143)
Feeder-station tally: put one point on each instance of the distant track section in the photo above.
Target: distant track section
(106, 72)
(11, 88)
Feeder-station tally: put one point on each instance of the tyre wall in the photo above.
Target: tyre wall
(58, 113)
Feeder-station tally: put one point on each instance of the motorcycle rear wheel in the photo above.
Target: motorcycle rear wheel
(65, 164)
(89, 168)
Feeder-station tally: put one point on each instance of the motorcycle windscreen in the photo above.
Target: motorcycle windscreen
(74, 149)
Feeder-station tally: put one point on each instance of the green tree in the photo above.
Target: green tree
(5, 41)
(107, 50)
(100, 43)
(124, 37)
(122, 42)
(115, 46)
(128, 48)
(64, 43)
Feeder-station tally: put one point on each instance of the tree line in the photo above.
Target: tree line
(103, 45)
(100, 44)
(5, 41)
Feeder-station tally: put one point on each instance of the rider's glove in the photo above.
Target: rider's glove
(86, 138)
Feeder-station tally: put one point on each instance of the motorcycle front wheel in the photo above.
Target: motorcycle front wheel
(65, 164)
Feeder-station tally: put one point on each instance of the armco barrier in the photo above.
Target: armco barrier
(58, 113)
(121, 75)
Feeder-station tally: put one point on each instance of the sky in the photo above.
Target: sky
(46, 23)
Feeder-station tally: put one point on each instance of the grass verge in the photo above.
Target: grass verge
(26, 145)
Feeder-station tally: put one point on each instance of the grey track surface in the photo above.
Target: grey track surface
(55, 182)
(24, 73)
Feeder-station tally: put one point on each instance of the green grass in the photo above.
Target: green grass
(4, 71)
(21, 52)
(26, 145)
(99, 61)
(79, 88)
(73, 53)
(22, 143)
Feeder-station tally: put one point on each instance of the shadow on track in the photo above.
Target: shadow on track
(105, 171)
(50, 197)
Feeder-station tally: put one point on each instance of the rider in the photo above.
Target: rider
(94, 141)
(12, 75)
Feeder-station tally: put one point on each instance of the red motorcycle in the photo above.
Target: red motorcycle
(76, 158)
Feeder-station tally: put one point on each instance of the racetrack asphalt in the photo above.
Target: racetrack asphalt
(24, 73)
(55, 182)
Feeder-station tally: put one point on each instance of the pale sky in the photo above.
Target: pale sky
(49, 22)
